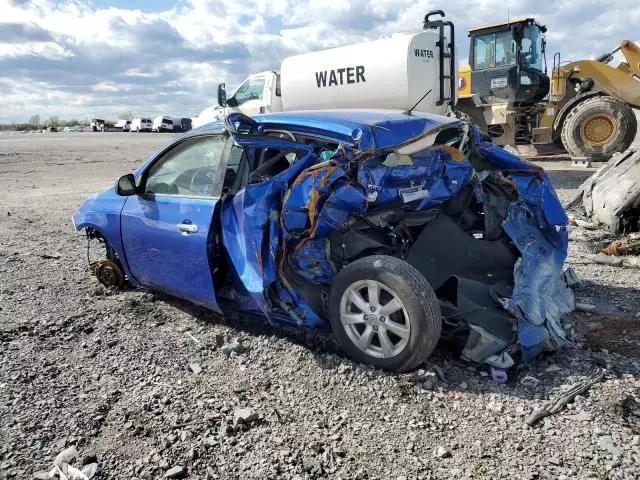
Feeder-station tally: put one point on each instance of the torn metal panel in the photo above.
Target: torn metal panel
(251, 227)
(432, 177)
(370, 129)
(540, 295)
(537, 225)
(611, 196)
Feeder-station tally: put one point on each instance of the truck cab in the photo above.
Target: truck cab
(97, 125)
(259, 93)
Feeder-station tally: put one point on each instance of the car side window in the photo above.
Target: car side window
(237, 172)
(187, 169)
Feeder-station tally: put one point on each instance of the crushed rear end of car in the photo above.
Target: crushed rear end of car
(485, 228)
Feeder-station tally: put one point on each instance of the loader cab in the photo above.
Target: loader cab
(507, 62)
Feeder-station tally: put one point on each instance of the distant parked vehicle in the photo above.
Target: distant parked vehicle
(141, 125)
(185, 124)
(125, 125)
(97, 125)
(162, 124)
(182, 124)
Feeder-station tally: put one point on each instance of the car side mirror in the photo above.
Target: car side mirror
(222, 95)
(126, 185)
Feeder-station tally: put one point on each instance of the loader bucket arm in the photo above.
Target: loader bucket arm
(614, 81)
(631, 52)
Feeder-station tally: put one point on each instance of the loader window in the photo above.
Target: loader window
(532, 47)
(494, 50)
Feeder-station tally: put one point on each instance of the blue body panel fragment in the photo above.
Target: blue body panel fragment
(433, 171)
(537, 224)
(101, 211)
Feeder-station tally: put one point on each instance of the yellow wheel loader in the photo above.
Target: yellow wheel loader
(585, 108)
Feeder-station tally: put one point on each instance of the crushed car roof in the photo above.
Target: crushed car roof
(374, 128)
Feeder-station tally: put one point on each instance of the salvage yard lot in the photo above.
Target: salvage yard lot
(119, 375)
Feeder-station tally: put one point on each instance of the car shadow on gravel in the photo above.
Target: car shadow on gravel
(539, 379)
(318, 341)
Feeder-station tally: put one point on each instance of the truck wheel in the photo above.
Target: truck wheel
(598, 127)
(383, 312)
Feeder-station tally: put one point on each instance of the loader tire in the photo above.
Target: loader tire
(598, 127)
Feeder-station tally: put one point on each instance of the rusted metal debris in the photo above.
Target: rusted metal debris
(620, 247)
(564, 398)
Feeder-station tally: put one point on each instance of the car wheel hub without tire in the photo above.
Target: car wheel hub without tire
(375, 319)
(599, 129)
(109, 274)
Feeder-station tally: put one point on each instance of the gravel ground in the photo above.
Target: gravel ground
(155, 388)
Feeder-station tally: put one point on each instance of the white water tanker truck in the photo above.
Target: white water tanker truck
(408, 71)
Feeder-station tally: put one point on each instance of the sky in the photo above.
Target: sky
(79, 58)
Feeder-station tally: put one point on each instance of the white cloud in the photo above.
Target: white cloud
(105, 87)
(49, 50)
(68, 58)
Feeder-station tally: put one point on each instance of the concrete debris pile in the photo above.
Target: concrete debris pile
(611, 197)
(64, 469)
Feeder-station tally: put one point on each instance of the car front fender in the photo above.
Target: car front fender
(101, 212)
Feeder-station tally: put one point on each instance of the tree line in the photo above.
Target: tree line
(36, 123)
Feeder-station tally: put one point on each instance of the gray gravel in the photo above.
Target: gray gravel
(153, 387)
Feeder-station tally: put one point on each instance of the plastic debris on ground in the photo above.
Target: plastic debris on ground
(63, 468)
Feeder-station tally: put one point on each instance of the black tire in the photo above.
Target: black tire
(415, 293)
(612, 111)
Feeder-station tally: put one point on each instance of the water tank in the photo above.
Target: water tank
(388, 73)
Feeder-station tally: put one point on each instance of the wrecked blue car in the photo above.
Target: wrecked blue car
(394, 230)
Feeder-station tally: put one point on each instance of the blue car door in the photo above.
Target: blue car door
(167, 228)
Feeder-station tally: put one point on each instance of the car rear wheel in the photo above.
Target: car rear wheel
(383, 312)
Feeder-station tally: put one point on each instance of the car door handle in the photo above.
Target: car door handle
(188, 227)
